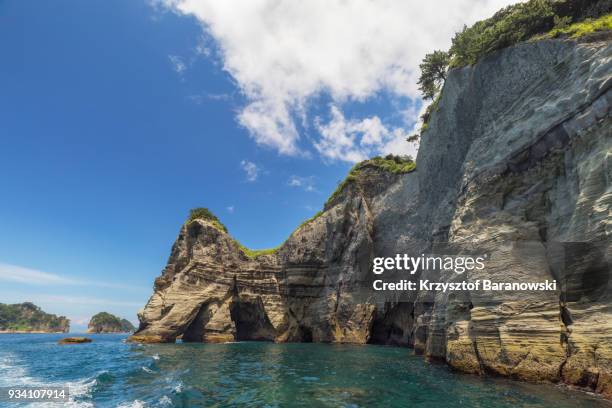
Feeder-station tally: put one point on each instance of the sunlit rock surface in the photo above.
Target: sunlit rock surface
(516, 162)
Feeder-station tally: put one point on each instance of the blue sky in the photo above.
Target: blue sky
(117, 117)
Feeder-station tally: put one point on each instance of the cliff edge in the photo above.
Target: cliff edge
(516, 160)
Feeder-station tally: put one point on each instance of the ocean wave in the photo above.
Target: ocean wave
(178, 388)
(132, 404)
(13, 372)
(146, 369)
(155, 356)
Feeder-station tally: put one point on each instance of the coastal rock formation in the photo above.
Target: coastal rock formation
(29, 318)
(104, 322)
(74, 340)
(516, 164)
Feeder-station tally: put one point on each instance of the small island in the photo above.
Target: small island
(104, 322)
(28, 318)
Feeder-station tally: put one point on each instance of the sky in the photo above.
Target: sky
(117, 117)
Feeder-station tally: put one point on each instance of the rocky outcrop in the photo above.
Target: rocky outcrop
(28, 318)
(516, 163)
(104, 322)
(74, 340)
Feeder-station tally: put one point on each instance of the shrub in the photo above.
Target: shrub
(513, 24)
(585, 27)
(205, 214)
(520, 22)
(390, 163)
(254, 253)
(508, 26)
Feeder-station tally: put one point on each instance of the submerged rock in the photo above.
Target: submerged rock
(516, 162)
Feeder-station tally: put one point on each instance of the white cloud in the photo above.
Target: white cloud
(81, 300)
(356, 140)
(251, 170)
(306, 183)
(177, 64)
(20, 274)
(230, 209)
(283, 53)
(198, 99)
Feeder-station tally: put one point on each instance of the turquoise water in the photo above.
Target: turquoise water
(111, 373)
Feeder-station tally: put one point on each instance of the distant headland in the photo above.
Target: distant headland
(28, 318)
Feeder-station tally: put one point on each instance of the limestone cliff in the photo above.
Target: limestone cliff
(517, 161)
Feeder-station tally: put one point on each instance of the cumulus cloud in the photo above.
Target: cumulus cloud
(356, 140)
(250, 169)
(306, 183)
(177, 63)
(283, 53)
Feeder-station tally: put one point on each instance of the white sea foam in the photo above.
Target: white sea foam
(155, 356)
(13, 372)
(165, 401)
(146, 369)
(179, 388)
(133, 404)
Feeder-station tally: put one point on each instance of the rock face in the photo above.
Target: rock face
(104, 322)
(29, 318)
(516, 162)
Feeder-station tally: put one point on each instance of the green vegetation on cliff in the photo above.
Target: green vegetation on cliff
(390, 163)
(205, 214)
(531, 20)
(202, 213)
(520, 22)
(29, 317)
(104, 322)
(254, 253)
(580, 29)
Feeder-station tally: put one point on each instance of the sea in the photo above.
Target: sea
(112, 373)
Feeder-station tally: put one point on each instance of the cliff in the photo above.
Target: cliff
(515, 161)
(104, 322)
(27, 317)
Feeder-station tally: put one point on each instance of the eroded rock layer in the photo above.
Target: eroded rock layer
(516, 161)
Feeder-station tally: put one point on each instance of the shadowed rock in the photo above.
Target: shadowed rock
(516, 162)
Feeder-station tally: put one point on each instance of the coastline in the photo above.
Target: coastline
(31, 332)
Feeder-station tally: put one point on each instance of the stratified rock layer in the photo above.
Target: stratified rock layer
(516, 162)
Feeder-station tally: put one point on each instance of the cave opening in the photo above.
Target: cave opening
(251, 320)
(394, 326)
(306, 334)
(195, 332)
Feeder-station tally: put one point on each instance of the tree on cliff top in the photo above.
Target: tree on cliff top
(433, 73)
